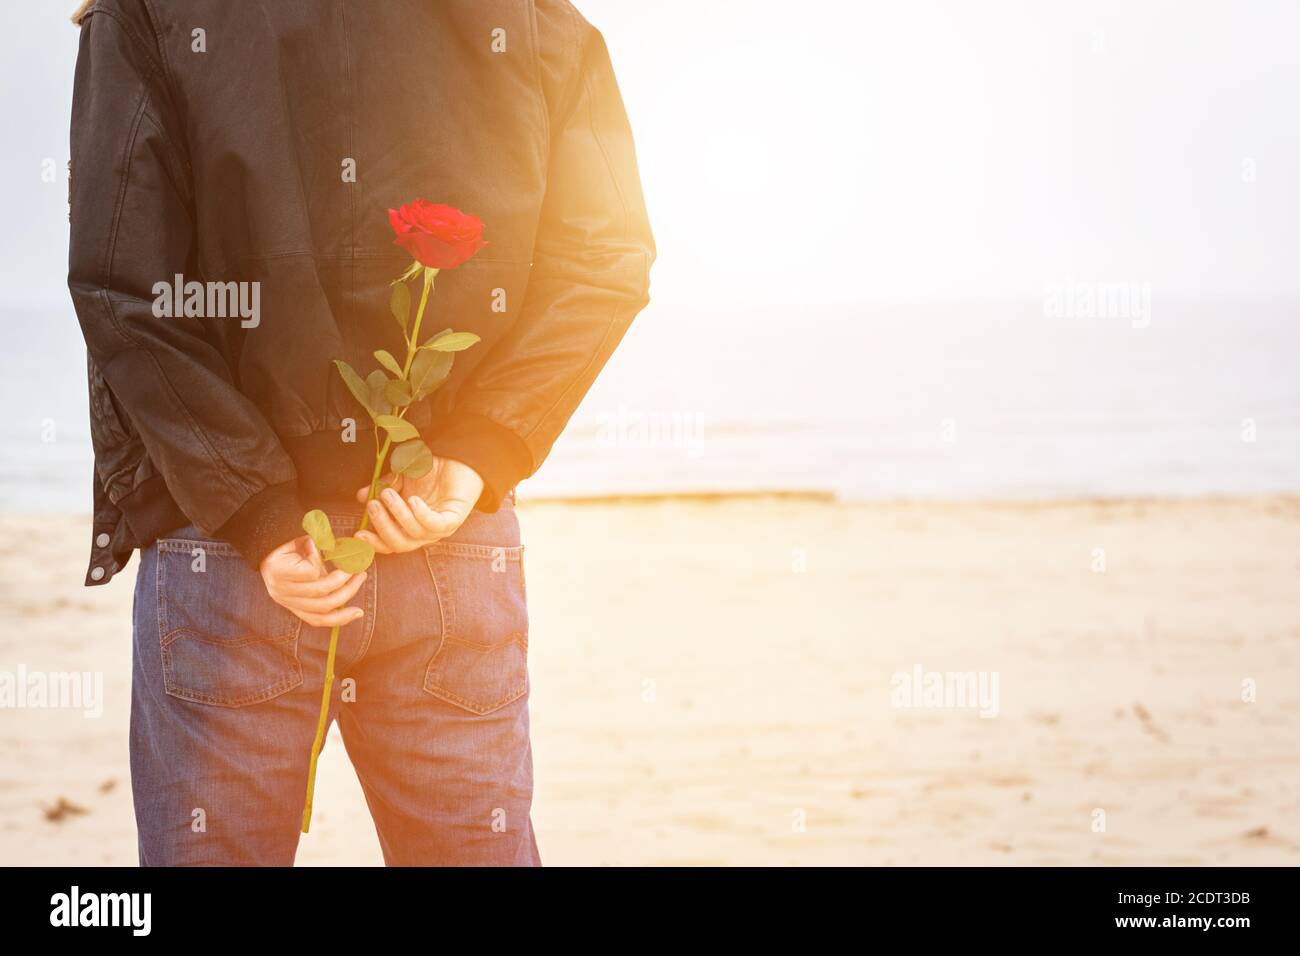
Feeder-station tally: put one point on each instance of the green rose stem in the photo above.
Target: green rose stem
(411, 349)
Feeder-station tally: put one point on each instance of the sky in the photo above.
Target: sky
(830, 152)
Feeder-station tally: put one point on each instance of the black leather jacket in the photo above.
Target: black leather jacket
(212, 139)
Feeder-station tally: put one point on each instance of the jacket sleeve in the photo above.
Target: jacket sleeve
(132, 227)
(590, 273)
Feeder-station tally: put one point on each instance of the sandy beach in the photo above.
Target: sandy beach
(714, 683)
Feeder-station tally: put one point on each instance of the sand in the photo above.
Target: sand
(712, 685)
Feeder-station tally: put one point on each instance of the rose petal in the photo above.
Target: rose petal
(399, 225)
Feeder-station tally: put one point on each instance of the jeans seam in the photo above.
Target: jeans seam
(370, 592)
(172, 689)
(435, 556)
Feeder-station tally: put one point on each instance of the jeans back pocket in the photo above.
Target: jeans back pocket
(224, 641)
(481, 663)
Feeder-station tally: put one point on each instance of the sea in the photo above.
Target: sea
(866, 401)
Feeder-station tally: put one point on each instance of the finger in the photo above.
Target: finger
(328, 602)
(425, 487)
(344, 615)
(289, 547)
(317, 587)
(390, 479)
(387, 529)
(313, 554)
(294, 569)
(380, 546)
(276, 566)
(322, 588)
(401, 512)
(437, 524)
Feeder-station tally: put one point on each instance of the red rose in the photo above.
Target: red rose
(438, 236)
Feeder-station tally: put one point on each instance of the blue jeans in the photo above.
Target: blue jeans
(431, 696)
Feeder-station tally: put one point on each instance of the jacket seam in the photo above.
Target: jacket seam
(604, 151)
(576, 82)
(537, 74)
(156, 71)
(152, 10)
(128, 152)
(168, 81)
(171, 149)
(154, 66)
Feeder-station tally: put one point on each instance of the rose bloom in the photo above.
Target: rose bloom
(438, 236)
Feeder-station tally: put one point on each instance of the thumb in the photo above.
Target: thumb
(391, 480)
(312, 553)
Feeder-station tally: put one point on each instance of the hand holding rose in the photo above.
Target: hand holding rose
(416, 512)
(296, 579)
